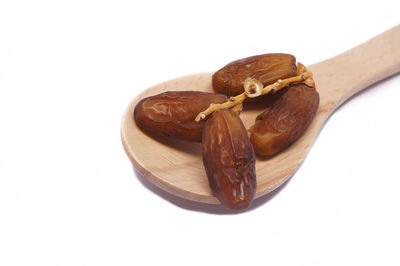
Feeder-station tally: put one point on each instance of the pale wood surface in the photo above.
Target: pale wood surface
(176, 166)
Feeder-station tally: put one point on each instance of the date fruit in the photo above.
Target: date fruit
(229, 159)
(266, 68)
(173, 113)
(285, 120)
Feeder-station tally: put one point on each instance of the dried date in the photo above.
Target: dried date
(229, 159)
(173, 113)
(266, 68)
(285, 120)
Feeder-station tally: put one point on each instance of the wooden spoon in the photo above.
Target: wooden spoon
(176, 166)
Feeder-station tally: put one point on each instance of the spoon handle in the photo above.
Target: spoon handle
(342, 76)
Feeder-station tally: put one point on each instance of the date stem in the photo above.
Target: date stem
(254, 88)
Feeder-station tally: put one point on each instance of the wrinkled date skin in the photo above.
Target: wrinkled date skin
(229, 159)
(173, 113)
(285, 120)
(266, 68)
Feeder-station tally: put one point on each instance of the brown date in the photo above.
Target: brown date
(229, 159)
(285, 120)
(173, 113)
(266, 68)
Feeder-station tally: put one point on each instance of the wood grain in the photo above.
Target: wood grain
(176, 166)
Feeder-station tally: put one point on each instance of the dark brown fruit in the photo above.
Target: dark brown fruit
(173, 113)
(229, 159)
(285, 120)
(266, 68)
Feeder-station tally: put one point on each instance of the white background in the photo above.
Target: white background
(70, 196)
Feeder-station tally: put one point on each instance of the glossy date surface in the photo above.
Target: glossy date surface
(285, 120)
(266, 68)
(229, 159)
(173, 113)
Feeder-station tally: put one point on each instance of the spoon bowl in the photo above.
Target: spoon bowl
(176, 166)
